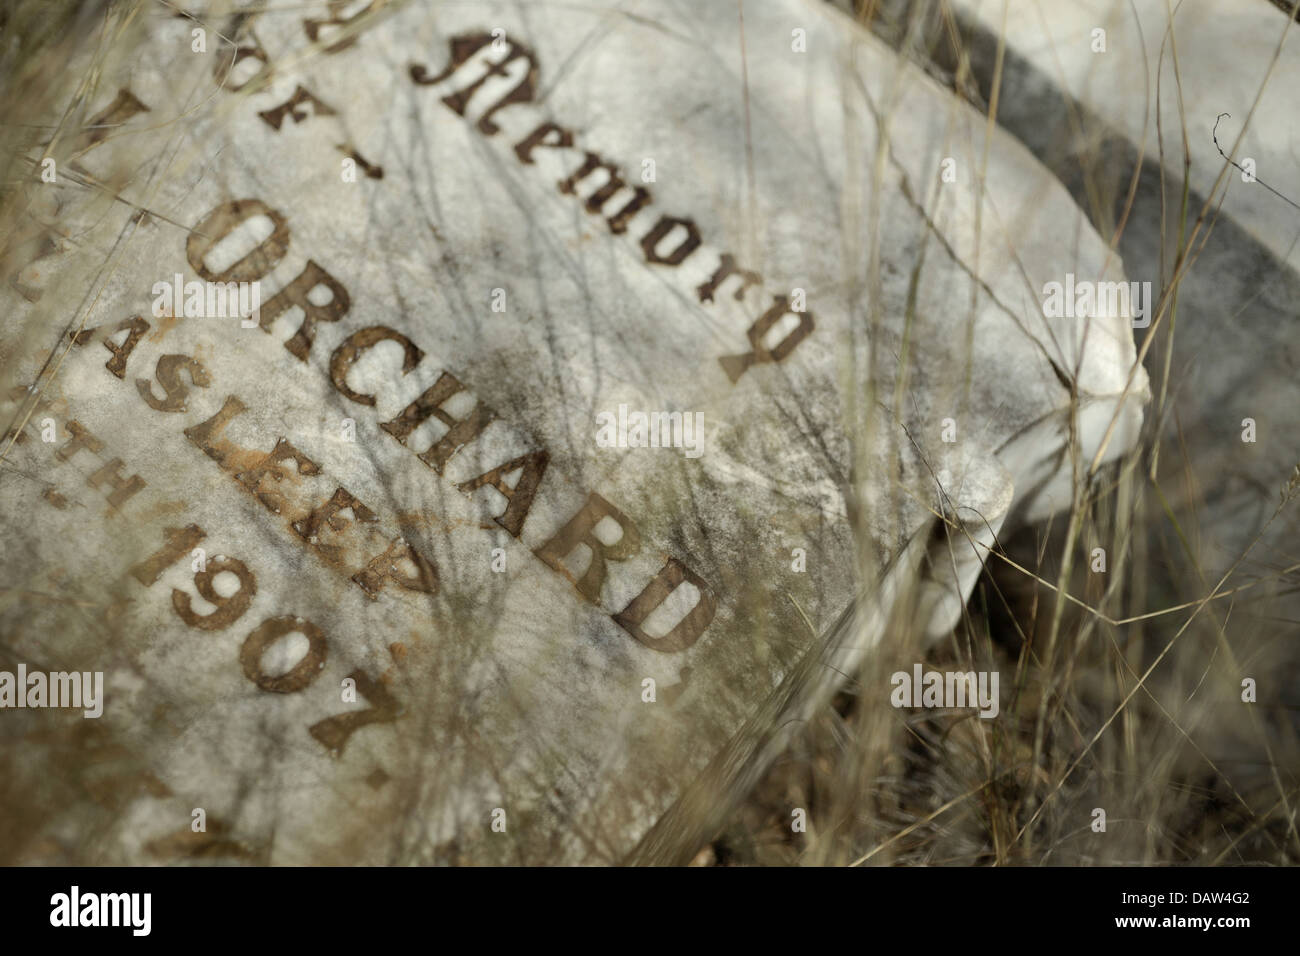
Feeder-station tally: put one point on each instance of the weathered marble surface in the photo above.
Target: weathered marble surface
(1111, 124)
(512, 690)
(1097, 118)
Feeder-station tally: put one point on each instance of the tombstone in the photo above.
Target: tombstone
(1216, 81)
(909, 404)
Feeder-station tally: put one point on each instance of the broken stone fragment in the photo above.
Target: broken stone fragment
(1084, 89)
(1131, 104)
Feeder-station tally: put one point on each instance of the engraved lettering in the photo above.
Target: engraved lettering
(346, 354)
(462, 49)
(581, 531)
(168, 372)
(538, 137)
(519, 498)
(335, 732)
(290, 108)
(313, 27)
(81, 438)
(665, 225)
(301, 674)
(177, 544)
(124, 106)
(688, 630)
(385, 568)
(736, 365)
(224, 70)
(612, 185)
(328, 514)
(207, 435)
(295, 295)
(218, 225)
(272, 466)
(228, 609)
(135, 327)
(461, 431)
(123, 488)
(726, 269)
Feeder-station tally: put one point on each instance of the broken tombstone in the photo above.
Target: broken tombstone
(363, 583)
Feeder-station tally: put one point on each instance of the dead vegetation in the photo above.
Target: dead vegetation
(1123, 695)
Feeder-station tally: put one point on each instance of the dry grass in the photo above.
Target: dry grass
(1125, 695)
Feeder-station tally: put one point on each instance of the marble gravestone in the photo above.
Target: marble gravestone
(1125, 101)
(1125, 88)
(383, 567)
